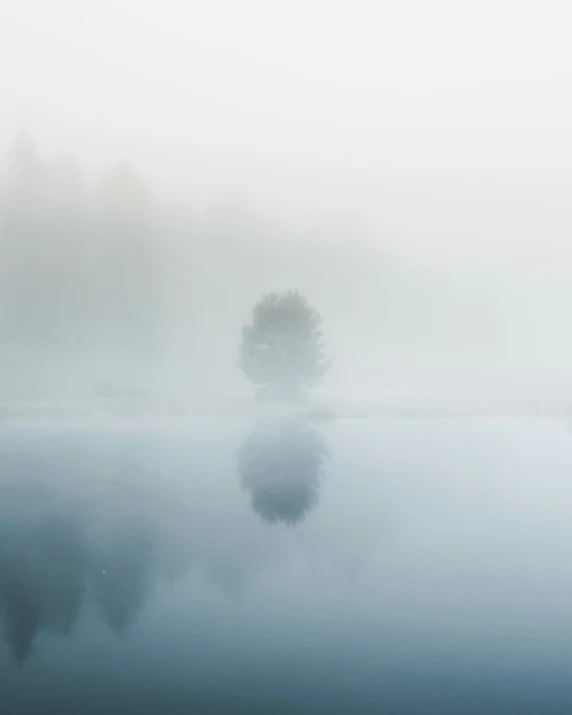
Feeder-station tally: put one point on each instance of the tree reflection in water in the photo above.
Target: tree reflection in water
(281, 464)
(53, 564)
(124, 574)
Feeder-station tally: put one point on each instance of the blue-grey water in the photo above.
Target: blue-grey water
(375, 566)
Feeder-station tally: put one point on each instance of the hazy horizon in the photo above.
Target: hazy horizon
(409, 168)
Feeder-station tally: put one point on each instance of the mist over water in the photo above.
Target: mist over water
(210, 567)
(285, 365)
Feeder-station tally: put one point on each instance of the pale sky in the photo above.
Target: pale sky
(417, 113)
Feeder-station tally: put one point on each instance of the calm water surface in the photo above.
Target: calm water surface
(388, 566)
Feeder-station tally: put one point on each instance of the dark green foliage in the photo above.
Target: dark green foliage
(282, 351)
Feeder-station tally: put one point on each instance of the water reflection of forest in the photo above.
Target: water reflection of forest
(86, 532)
(55, 562)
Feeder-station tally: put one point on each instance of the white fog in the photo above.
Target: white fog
(407, 167)
(285, 357)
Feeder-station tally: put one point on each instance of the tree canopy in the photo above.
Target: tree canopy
(282, 350)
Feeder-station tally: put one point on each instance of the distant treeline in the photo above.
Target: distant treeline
(80, 273)
(102, 282)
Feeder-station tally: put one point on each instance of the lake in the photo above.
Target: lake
(221, 566)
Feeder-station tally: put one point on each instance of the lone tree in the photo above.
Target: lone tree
(282, 350)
